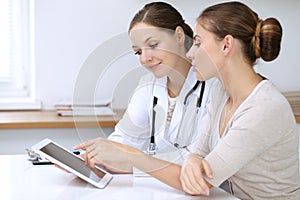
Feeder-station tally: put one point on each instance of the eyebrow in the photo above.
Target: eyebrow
(144, 41)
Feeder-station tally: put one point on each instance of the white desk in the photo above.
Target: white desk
(43, 182)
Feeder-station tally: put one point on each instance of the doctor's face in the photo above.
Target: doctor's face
(205, 54)
(157, 49)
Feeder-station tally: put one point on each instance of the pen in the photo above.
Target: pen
(37, 162)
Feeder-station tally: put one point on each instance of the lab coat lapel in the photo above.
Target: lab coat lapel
(188, 85)
(161, 92)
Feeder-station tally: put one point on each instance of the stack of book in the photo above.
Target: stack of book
(294, 100)
(65, 109)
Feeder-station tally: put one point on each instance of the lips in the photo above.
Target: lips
(153, 67)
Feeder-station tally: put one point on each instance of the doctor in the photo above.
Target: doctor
(163, 115)
(156, 120)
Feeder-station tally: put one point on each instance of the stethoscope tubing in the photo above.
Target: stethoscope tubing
(152, 146)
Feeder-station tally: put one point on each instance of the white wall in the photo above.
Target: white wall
(70, 34)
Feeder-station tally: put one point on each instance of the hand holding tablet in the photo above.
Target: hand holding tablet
(72, 163)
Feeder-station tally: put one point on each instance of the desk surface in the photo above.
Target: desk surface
(20, 180)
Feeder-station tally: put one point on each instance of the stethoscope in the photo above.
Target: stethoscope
(152, 148)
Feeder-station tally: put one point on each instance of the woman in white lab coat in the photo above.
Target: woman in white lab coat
(161, 38)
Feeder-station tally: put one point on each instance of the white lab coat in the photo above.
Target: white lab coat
(134, 128)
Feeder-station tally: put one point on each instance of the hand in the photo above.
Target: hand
(191, 177)
(108, 154)
(115, 167)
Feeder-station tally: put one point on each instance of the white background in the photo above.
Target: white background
(68, 31)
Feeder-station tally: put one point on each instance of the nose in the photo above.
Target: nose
(146, 56)
(190, 53)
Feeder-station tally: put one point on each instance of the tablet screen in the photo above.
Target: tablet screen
(71, 160)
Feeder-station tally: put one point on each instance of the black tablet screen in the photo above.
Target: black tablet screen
(72, 161)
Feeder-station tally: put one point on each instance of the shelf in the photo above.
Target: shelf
(49, 119)
(294, 100)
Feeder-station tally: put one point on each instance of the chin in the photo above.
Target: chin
(159, 74)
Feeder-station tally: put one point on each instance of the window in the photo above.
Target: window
(16, 55)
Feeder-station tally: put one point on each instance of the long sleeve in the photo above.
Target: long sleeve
(134, 128)
(258, 152)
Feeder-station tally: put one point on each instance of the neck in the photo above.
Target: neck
(239, 82)
(177, 78)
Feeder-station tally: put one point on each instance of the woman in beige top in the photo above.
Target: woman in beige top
(250, 137)
(250, 140)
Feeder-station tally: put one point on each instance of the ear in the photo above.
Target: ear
(179, 34)
(228, 43)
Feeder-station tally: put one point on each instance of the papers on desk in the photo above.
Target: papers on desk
(68, 109)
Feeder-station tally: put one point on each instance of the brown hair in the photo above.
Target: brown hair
(163, 15)
(259, 38)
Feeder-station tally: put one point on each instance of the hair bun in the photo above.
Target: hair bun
(256, 39)
(270, 39)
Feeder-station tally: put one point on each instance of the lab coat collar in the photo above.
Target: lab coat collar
(160, 91)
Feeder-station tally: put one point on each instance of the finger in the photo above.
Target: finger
(85, 157)
(198, 181)
(202, 184)
(79, 146)
(185, 188)
(93, 154)
(92, 162)
(83, 145)
(190, 183)
(194, 179)
(89, 156)
(207, 169)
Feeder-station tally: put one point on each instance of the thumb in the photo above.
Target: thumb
(207, 169)
(80, 146)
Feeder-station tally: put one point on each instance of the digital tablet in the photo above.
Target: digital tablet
(71, 162)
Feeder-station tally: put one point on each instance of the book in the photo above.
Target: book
(69, 108)
(66, 103)
(86, 111)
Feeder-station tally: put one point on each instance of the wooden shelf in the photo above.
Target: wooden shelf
(49, 119)
(294, 100)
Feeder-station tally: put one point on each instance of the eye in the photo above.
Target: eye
(197, 44)
(197, 41)
(154, 45)
(138, 52)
